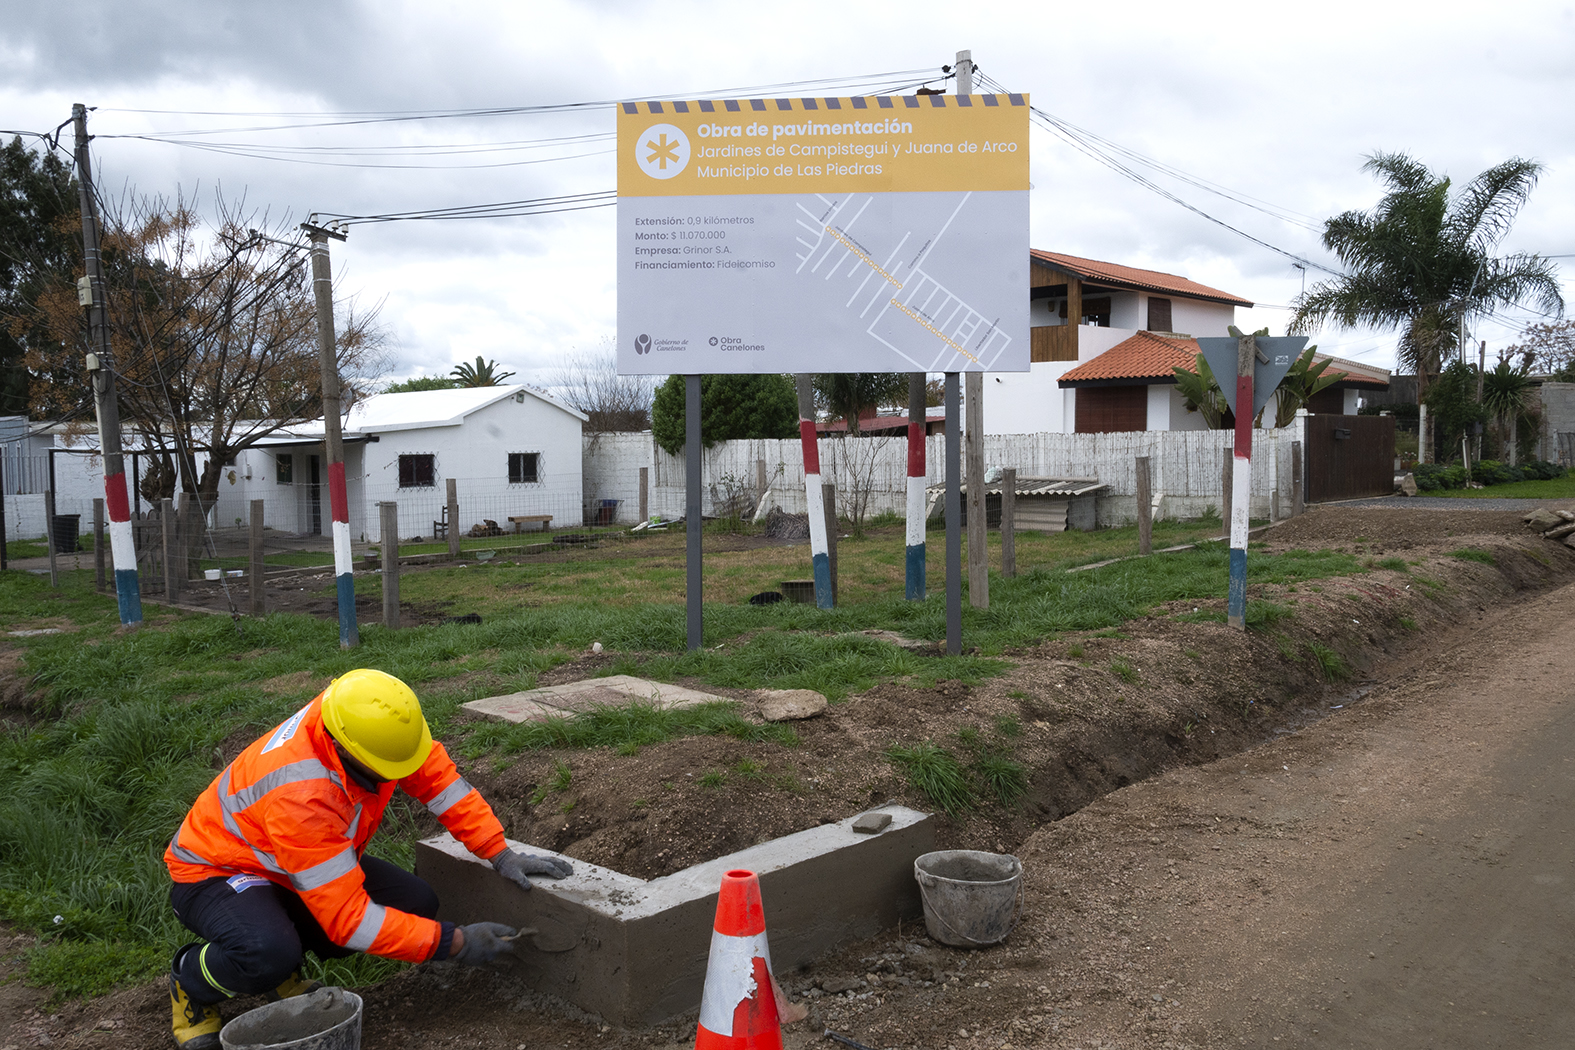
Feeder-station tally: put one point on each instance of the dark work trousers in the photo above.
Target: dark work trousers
(257, 930)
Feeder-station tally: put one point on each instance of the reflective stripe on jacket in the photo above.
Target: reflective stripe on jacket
(286, 810)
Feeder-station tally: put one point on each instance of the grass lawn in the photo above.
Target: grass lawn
(127, 723)
(1557, 488)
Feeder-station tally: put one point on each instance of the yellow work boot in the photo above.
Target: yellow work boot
(291, 987)
(196, 1026)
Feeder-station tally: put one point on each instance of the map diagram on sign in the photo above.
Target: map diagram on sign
(886, 274)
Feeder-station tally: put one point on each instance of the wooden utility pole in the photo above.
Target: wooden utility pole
(338, 498)
(828, 491)
(93, 294)
(973, 426)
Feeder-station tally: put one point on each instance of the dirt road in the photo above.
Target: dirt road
(1398, 875)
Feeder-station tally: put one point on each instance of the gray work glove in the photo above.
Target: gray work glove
(516, 866)
(484, 942)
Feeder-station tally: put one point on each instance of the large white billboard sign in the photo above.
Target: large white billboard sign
(883, 234)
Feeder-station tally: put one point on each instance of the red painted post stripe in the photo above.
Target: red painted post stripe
(338, 499)
(915, 450)
(115, 499)
(1243, 417)
(806, 433)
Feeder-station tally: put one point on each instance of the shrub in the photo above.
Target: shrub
(1491, 472)
(1542, 470)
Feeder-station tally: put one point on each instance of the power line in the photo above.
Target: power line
(887, 81)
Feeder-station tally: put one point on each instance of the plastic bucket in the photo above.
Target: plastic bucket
(212, 574)
(327, 1019)
(971, 898)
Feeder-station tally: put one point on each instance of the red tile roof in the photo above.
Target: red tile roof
(1144, 356)
(1132, 277)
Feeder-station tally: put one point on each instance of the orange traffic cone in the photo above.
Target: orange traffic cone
(742, 1008)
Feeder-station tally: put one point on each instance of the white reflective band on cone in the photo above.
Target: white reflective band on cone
(730, 978)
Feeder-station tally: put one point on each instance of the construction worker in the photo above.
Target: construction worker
(268, 864)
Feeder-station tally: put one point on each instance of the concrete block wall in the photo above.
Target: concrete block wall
(635, 952)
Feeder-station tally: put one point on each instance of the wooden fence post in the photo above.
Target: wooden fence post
(1227, 480)
(168, 541)
(389, 541)
(828, 491)
(258, 593)
(1009, 522)
(98, 544)
(453, 526)
(1145, 507)
(1296, 478)
(645, 493)
(49, 534)
(760, 482)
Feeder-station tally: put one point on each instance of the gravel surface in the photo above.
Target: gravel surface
(1450, 503)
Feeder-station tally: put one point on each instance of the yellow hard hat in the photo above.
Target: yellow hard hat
(378, 719)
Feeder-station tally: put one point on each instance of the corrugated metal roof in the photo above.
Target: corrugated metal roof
(414, 410)
(1132, 277)
(1040, 487)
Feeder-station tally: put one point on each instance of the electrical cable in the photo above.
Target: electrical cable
(405, 116)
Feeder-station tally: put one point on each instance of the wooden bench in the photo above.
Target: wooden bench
(520, 519)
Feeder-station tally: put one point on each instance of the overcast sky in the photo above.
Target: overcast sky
(1281, 107)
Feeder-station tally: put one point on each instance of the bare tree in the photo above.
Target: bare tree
(214, 333)
(589, 381)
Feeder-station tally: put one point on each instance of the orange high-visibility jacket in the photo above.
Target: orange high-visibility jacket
(286, 810)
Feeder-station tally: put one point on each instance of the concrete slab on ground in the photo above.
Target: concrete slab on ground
(534, 705)
(634, 952)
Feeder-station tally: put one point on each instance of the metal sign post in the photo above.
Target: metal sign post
(813, 235)
(1259, 363)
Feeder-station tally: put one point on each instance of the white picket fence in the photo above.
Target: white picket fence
(1184, 467)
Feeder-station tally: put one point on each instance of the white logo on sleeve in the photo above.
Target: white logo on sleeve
(662, 151)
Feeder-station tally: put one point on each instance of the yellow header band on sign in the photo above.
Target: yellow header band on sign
(881, 144)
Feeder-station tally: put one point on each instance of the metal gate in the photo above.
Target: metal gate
(1349, 457)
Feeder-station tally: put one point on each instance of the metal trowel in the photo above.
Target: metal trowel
(546, 936)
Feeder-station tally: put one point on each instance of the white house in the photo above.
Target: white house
(1080, 308)
(512, 450)
(1114, 369)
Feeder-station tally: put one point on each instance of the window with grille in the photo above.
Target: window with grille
(284, 469)
(524, 467)
(417, 471)
(1159, 315)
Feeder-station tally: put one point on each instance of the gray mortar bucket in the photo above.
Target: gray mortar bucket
(327, 1019)
(971, 899)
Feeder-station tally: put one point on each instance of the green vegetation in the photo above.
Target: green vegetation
(936, 772)
(129, 727)
(1474, 554)
(1330, 664)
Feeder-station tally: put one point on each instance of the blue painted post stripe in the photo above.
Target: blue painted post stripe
(822, 564)
(1236, 605)
(345, 582)
(915, 567)
(128, 594)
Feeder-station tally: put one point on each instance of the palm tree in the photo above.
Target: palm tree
(482, 373)
(1505, 393)
(1422, 260)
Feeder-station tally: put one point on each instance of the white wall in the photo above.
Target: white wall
(1032, 402)
(1195, 317)
(1126, 309)
(1184, 465)
(1159, 406)
(476, 455)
